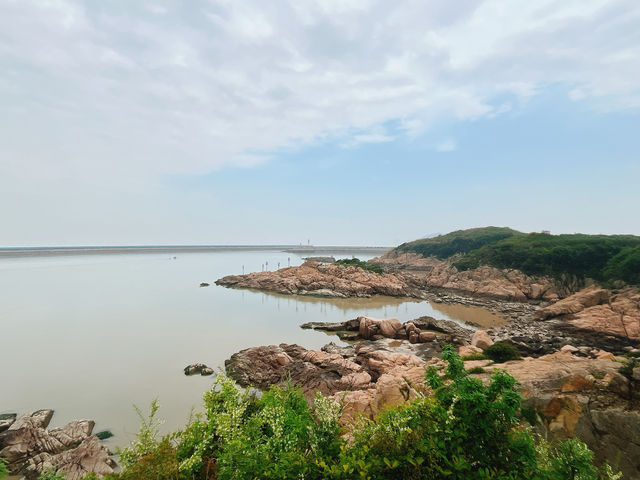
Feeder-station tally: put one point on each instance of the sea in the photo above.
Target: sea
(91, 332)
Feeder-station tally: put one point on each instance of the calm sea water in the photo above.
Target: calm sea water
(91, 335)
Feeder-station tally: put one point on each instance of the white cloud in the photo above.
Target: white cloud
(98, 92)
(165, 87)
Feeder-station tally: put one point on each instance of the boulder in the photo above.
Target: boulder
(466, 350)
(312, 370)
(6, 420)
(569, 349)
(481, 339)
(198, 368)
(28, 447)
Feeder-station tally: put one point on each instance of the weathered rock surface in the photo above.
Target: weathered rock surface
(576, 395)
(365, 383)
(312, 278)
(587, 398)
(312, 370)
(481, 339)
(198, 368)
(6, 420)
(28, 447)
(600, 310)
(421, 330)
(426, 273)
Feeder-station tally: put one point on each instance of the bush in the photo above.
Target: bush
(355, 262)
(476, 370)
(501, 352)
(474, 356)
(276, 436)
(4, 471)
(465, 430)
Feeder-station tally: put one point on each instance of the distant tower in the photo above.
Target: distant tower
(308, 242)
(288, 261)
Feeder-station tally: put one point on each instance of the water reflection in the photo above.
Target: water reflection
(385, 307)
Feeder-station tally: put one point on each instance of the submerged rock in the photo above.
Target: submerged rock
(198, 368)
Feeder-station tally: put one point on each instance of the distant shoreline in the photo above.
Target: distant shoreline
(6, 252)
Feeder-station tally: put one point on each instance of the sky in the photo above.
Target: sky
(339, 122)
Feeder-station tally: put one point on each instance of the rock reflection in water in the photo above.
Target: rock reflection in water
(400, 307)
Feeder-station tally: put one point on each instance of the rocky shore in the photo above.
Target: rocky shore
(572, 343)
(29, 447)
(573, 392)
(328, 280)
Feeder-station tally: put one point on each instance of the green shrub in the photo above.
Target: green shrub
(501, 352)
(50, 474)
(4, 471)
(276, 436)
(465, 430)
(627, 367)
(476, 370)
(474, 356)
(460, 241)
(355, 262)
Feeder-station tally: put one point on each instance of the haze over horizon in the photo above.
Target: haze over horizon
(344, 122)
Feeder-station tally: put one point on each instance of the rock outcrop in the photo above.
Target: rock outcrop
(312, 278)
(587, 398)
(573, 395)
(198, 368)
(600, 310)
(364, 382)
(29, 447)
(428, 273)
(421, 330)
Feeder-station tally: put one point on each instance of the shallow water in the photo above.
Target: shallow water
(90, 335)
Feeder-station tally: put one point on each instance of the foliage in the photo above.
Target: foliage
(50, 474)
(474, 356)
(501, 352)
(476, 370)
(569, 259)
(628, 365)
(4, 471)
(276, 436)
(604, 258)
(460, 241)
(570, 459)
(624, 266)
(146, 439)
(355, 262)
(464, 430)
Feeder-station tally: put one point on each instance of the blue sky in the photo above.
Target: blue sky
(340, 122)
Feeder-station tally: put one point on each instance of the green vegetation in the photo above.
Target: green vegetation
(3, 469)
(475, 356)
(501, 352)
(476, 370)
(355, 262)
(465, 430)
(570, 258)
(460, 241)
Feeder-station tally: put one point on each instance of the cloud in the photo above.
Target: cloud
(118, 95)
(160, 87)
(447, 145)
